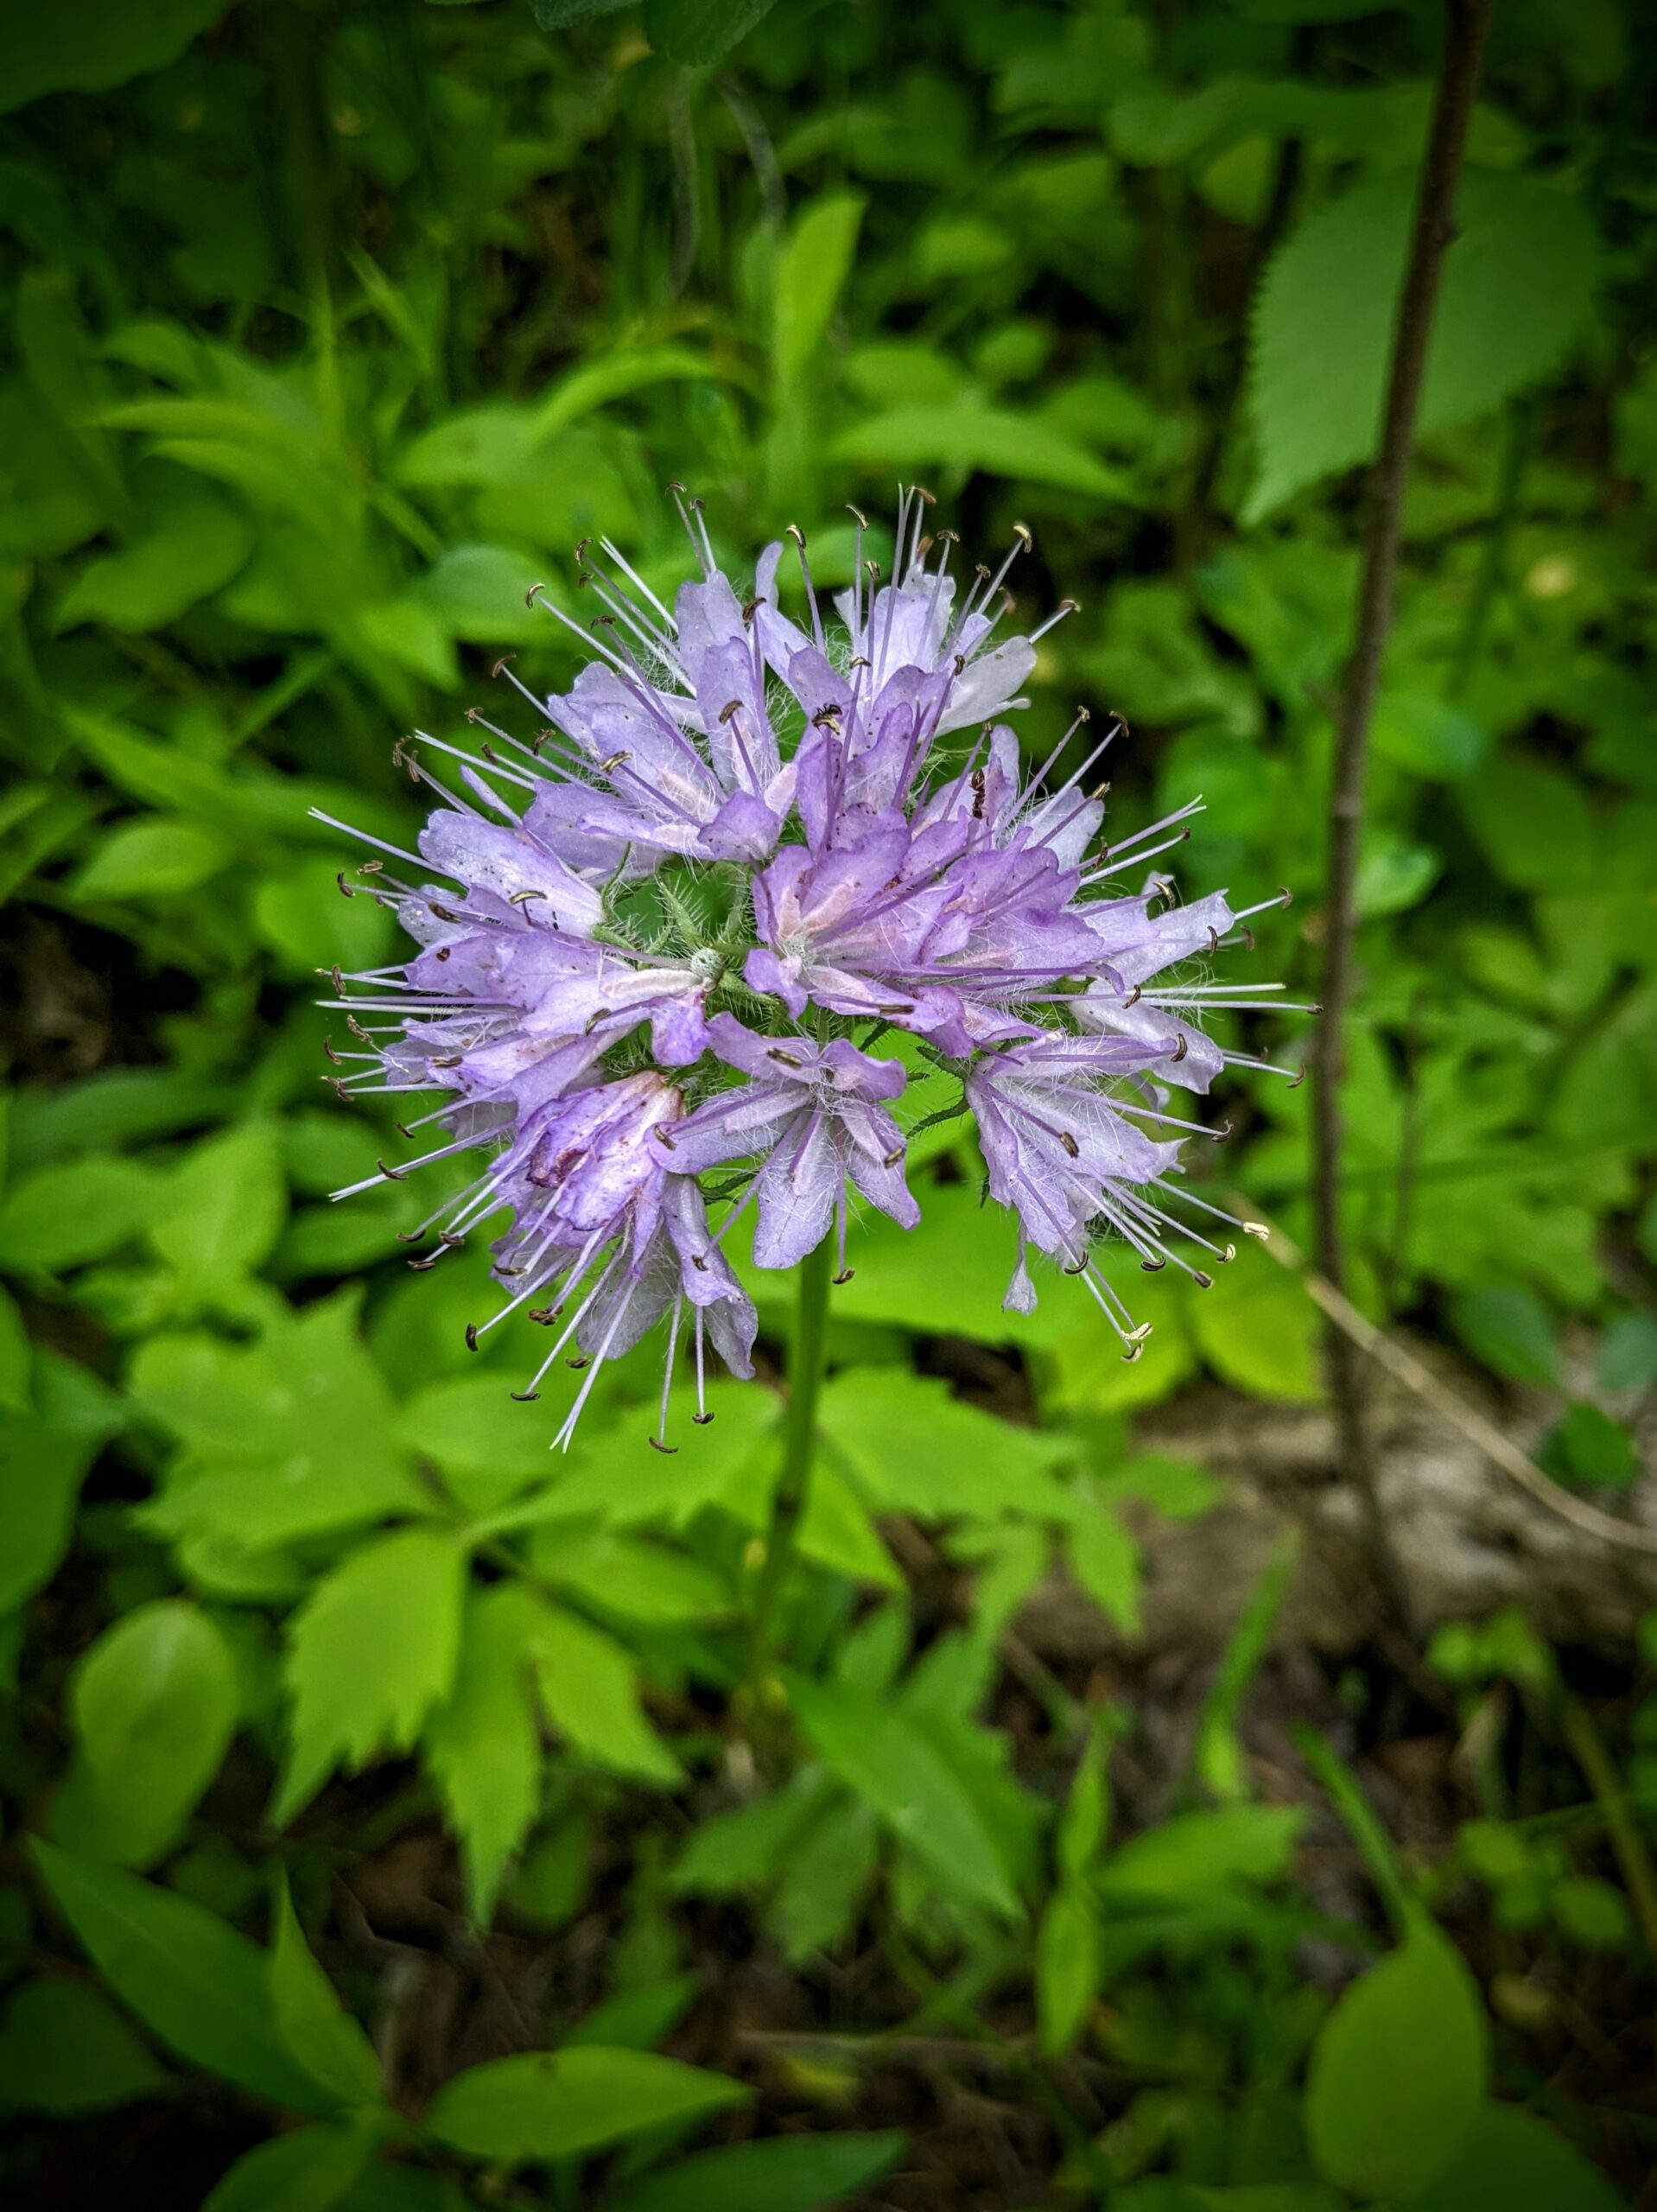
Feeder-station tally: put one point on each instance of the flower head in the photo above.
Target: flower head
(674, 925)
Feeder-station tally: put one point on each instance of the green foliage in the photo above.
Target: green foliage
(1397, 2071)
(323, 335)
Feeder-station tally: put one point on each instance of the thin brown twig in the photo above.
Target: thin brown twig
(1468, 21)
(1404, 1367)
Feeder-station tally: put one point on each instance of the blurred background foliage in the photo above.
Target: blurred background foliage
(329, 327)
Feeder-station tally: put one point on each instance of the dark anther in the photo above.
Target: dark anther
(699, 1263)
(409, 1236)
(1202, 1281)
(443, 952)
(1022, 532)
(403, 1130)
(370, 868)
(328, 1046)
(1135, 995)
(357, 1029)
(345, 891)
(448, 1236)
(523, 897)
(1214, 940)
(528, 596)
(488, 752)
(845, 1275)
(337, 1084)
(675, 489)
(525, 1397)
(337, 980)
(1132, 1354)
(471, 1336)
(1154, 1266)
(792, 530)
(1286, 897)
(419, 1267)
(750, 608)
(505, 661)
(449, 1060)
(666, 1450)
(391, 1174)
(1248, 940)
(702, 1420)
(1222, 1133)
(1296, 1081)
(730, 707)
(788, 1059)
(576, 1365)
(614, 761)
(1184, 1046)
(1070, 1144)
(857, 517)
(474, 714)
(893, 1156)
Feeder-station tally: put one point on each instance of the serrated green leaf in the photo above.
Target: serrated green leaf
(1517, 285)
(221, 1214)
(882, 1755)
(482, 1745)
(371, 1650)
(589, 1686)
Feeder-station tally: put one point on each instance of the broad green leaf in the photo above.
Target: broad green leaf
(1067, 1965)
(310, 2170)
(63, 1216)
(1507, 1327)
(1517, 285)
(122, 1106)
(16, 1357)
(151, 859)
(911, 1448)
(1510, 2161)
(89, 49)
(153, 1703)
(1258, 1328)
(202, 1987)
(42, 1469)
(882, 1755)
(636, 2018)
(482, 1745)
(810, 272)
(1534, 824)
(979, 439)
(1196, 1854)
(64, 2051)
(701, 31)
(313, 2023)
(778, 2173)
(589, 1686)
(371, 1650)
(222, 1212)
(1397, 2071)
(197, 543)
(480, 594)
(547, 2105)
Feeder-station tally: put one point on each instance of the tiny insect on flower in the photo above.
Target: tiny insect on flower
(676, 923)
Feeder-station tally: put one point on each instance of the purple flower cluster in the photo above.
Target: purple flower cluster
(683, 915)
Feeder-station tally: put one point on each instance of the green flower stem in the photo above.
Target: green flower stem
(806, 1355)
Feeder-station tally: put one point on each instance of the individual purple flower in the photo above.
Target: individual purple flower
(816, 1116)
(656, 938)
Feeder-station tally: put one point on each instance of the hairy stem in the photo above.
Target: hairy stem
(806, 1358)
(1468, 21)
